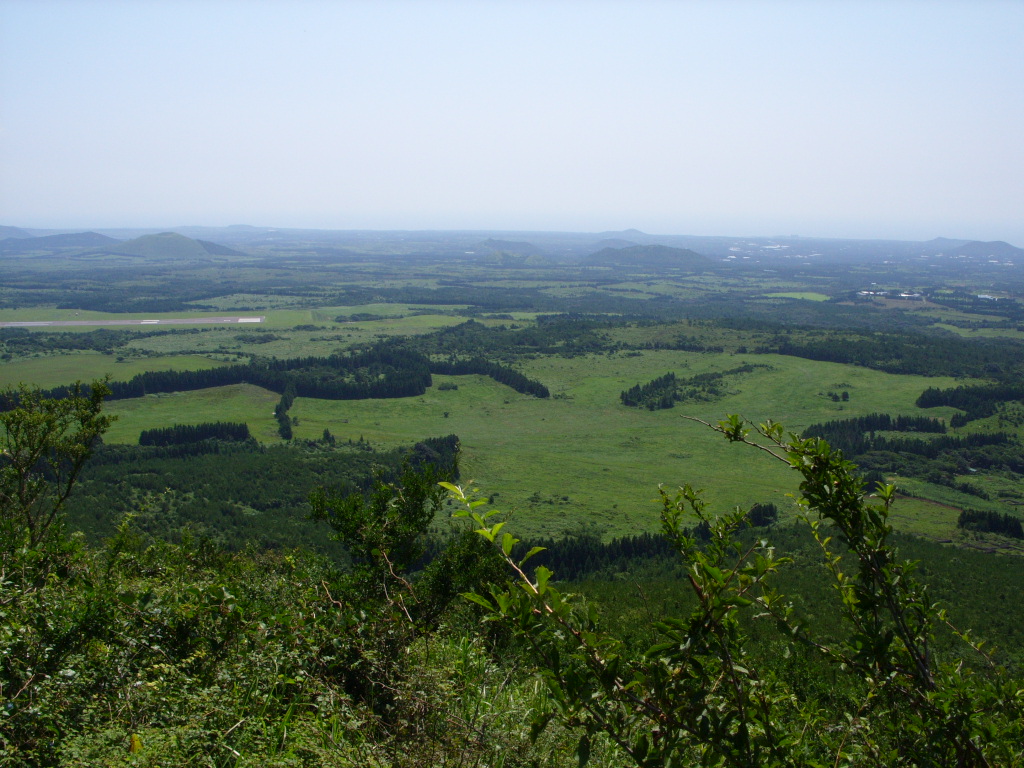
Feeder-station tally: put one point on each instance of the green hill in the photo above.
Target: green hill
(172, 246)
(996, 249)
(649, 256)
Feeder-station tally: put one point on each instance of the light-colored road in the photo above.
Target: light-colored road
(161, 321)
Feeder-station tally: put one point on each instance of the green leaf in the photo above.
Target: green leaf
(715, 574)
(507, 542)
(543, 574)
(531, 553)
(479, 600)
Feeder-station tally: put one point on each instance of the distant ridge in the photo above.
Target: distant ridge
(73, 241)
(169, 245)
(6, 232)
(521, 248)
(660, 256)
(945, 243)
(613, 242)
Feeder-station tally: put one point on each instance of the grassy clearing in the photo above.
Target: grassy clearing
(807, 295)
(583, 458)
(57, 370)
(327, 338)
(240, 402)
(983, 333)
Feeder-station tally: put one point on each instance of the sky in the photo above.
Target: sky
(828, 118)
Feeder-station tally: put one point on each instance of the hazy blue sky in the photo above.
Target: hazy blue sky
(848, 119)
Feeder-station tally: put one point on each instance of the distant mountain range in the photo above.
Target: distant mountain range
(161, 246)
(628, 248)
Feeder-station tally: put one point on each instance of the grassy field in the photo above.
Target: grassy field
(807, 295)
(239, 403)
(583, 458)
(578, 459)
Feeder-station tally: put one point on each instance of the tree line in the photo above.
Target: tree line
(986, 521)
(977, 401)
(385, 371)
(194, 433)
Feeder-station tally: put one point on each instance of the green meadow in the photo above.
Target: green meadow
(806, 295)
(580, 459)
(238, 403)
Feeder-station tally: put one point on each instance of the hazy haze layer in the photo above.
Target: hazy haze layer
(889, 120)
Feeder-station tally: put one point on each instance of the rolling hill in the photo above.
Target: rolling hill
(649, 256)
(169, 245)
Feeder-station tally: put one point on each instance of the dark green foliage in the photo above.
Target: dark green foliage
(385, 529)
(976, 400)
(923, 355)
(238, 494)
(657, 393)
(194, 433)
(576, 557)
(44, 444)
(667, 390)
(763, 515)
(382, 371)
(284, 422)
(990, 522)
(566, 335)
(938, 459)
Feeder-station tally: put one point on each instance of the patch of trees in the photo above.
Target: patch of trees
(566, 335)
(917, 354)
(839, 432)
(665, 391)
(384, 371)
(655, 394)
(978, 401)
(853, 441)
(582, 556)
(21, 341)
(194, 433)
(284, 421)
(990, 522)
(942, 459)
(489, 299)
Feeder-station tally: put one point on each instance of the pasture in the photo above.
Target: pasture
(582, 459)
